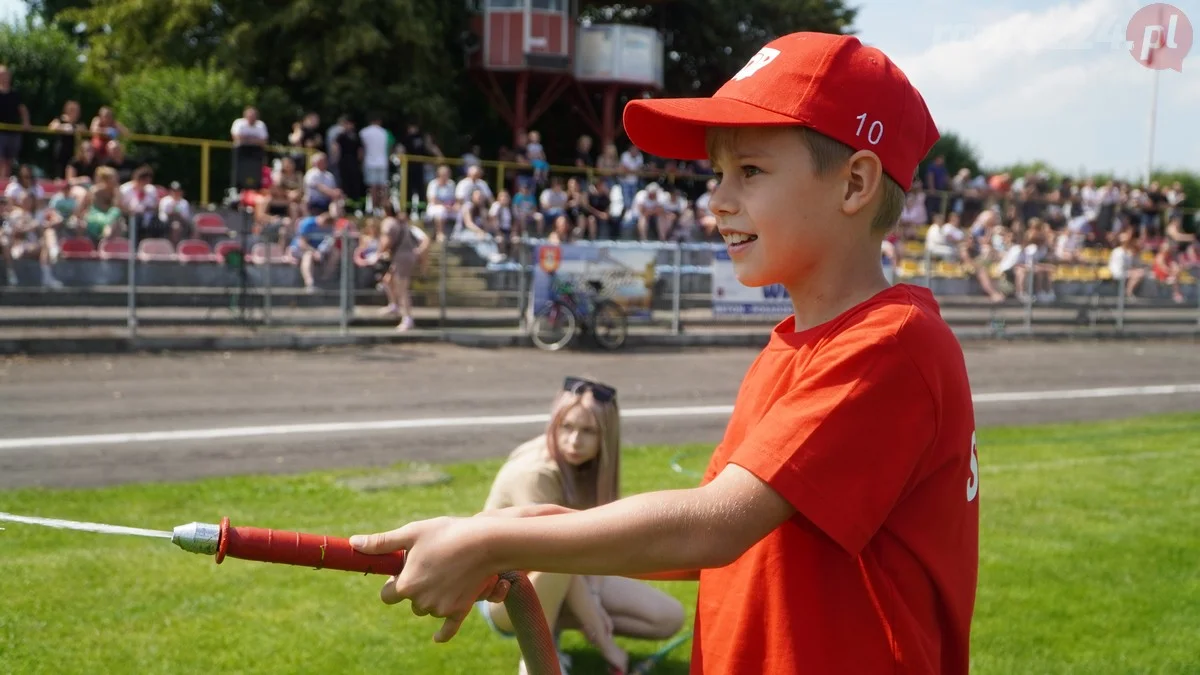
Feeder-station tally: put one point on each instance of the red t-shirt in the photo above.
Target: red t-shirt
(865, 425)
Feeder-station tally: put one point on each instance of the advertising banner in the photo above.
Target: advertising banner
(626, 274)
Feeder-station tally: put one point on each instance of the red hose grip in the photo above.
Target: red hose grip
(306, 550)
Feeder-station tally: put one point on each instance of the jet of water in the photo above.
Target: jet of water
(86, 527)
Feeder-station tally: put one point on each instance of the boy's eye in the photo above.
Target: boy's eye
(750, 170)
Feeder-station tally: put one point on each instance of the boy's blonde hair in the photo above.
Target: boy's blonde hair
(598, 481)
(829, 154)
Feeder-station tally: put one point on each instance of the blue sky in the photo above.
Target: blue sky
(1030, 79)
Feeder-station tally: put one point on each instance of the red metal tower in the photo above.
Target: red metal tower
(526, 48)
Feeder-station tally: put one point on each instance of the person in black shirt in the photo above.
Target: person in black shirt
(600, 225)
(65, 127)
(348, 151)
(12, 111)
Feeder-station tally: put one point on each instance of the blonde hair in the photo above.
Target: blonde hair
(828, 154)
(597, 481)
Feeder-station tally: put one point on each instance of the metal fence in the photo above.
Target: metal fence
(665, 288)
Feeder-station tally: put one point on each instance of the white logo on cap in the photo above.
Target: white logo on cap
(762, 58)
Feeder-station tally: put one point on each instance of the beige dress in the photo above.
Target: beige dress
(529, 476)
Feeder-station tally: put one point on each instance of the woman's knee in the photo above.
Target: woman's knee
(667, 619)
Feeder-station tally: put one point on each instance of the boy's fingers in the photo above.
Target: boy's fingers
(498, 592)
(449, 627)
(383, 542)
(388, 594)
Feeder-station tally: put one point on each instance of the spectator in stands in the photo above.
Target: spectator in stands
(1175, 198)
(65, 126)
(29, 233)
(83, 166)
(443, 203)
(536, 154)
(631, 165)
(504, 222)
(576, 207)
(139, 202)
(529, 218)
(375, 151)
(348, 155)
(12, 111)
(320, 187)
(1123, 261)
(946, 241)
(609, 162)
(413, 143)
(405, 246)
(599, 223)
(23, 184)
(314, 244)
(553, 200)
(474, 226)
(470, 158)
(175, 213)
(306, 133)
(1038, 240)
(106, 131)
(102, 208)
(473, 182)
(287, 177)
(1166, 269)
(704, 215)
(937, 182)
(275, 213)
(651, 213)
(1069, 243)
(583, 152)
(561, 232)
(249, 129)
(114, 158)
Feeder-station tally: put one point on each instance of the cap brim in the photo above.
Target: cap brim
(675, 128)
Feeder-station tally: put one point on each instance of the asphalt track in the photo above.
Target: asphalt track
(102, 420)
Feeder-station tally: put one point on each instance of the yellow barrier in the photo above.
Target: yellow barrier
(205, 145)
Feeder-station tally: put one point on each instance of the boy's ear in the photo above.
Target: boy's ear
(864, 180)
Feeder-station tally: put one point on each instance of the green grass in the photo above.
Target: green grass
(1090, 553)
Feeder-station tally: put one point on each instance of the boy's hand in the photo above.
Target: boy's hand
(445, 570)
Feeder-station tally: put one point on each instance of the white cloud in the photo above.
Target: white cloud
(1025, 80)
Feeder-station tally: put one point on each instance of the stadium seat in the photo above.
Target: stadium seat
(224, 248)
(210, 225)
(195, 251)
(78, 248)
(156, 250)
(116, 248)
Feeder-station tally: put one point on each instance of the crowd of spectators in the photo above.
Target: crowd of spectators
(1011, 233)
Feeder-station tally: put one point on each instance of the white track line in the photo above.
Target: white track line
(512, 420)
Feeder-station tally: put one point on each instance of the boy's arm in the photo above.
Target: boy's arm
(454, 561)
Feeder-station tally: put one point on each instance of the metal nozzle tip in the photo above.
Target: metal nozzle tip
(200, 538)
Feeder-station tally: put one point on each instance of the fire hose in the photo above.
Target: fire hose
(323, 552)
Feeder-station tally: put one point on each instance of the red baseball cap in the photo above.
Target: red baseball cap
(832, 84)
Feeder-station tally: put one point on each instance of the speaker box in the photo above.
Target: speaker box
(247, 167)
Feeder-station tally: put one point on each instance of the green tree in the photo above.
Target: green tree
(958, 152)
(186, 102)
(47, 73)
(350, 56)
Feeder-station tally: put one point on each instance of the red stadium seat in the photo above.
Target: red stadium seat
(156, 250)
(195, 251)
(210, 225)
(224, 248)
(78, 248)
(115, 248)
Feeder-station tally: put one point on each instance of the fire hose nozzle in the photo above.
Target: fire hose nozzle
(203, 538)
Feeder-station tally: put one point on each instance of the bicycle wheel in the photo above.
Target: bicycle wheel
(609, 325)
(553, 327)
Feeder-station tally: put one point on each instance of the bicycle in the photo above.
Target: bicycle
(569, 312)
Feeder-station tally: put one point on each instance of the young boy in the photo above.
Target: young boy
(836, 529)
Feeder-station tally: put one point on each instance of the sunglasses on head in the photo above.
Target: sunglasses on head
(601, 392)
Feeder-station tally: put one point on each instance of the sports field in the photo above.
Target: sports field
(1089, 549)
